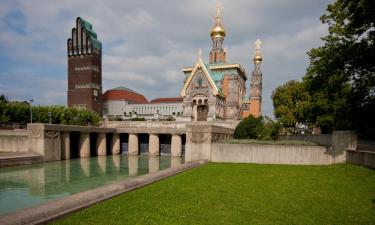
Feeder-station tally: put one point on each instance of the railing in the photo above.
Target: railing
(12, 126)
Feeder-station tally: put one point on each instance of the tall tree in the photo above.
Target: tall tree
(341, 77)
(291, 102)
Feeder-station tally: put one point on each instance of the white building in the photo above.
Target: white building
(125, 104)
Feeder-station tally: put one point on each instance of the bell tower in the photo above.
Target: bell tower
(217, 53)
(84, 68)
(256, 83)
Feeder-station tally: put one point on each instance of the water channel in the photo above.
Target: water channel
(29, 185)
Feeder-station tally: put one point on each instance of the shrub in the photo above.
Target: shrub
(256, 128)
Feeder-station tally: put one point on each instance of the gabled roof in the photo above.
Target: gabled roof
(207, 73)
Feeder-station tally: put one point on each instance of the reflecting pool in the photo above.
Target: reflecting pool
(28, 185)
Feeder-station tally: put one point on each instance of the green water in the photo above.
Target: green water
(29, 185)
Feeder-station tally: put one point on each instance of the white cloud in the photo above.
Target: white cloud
(146, 43)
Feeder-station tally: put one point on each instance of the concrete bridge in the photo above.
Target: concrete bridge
(59, 142)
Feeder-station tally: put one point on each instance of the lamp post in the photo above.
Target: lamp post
(31, 110)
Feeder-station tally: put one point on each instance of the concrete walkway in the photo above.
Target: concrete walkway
(19, 158)
(58, 208)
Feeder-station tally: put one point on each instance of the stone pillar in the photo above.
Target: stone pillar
(195, 113)
(133, 147)
(101, 144)
(65, 145)
(153, 145)
(84, 145)
(115, 146)
(176, 145)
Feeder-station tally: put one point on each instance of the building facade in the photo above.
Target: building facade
(216, 90)
(84, 68)
(123, 103)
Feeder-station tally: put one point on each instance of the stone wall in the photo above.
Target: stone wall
(364, 158)
(322, 139)
(272, 154)
(199, 139)
(13, 141)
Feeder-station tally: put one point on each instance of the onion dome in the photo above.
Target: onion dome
(218, 30)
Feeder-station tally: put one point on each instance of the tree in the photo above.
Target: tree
(341, 76)
(292, 103)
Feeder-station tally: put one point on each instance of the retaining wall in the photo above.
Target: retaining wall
(364, 158)
(13, 141)
(271, 154)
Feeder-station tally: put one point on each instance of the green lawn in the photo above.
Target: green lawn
(245, 194)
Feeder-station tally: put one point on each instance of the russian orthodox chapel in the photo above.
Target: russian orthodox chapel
(217, 90)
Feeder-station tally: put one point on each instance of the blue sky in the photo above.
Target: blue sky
(146, 43)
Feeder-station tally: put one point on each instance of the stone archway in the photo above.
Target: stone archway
(202, 112)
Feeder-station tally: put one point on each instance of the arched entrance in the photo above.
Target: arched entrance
(202, 112)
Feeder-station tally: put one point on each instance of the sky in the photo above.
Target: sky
(147, 43)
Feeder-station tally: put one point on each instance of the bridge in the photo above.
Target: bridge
(60, 142)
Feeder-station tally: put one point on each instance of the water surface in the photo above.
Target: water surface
(29, 185)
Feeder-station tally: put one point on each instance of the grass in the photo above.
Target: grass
(245, 194)
(259, 142)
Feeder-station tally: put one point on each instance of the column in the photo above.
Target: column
(84, 145)
(133, 147)
(176, 145)
(115, 146)
(195, 112)
(153, 145)
(101, 144)
(65, 145)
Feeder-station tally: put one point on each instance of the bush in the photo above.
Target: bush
(256, 128)
(19, 112)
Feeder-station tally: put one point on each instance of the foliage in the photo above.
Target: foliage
(244, 194)
(267, 142)
(19, 112)
(340, 79)
(341, 76)
(291, 102)
(256, 128)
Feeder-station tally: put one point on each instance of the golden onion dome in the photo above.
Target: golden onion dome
(218, 30)
(257, 58)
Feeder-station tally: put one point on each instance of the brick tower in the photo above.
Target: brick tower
(84, 68)
(256, 83)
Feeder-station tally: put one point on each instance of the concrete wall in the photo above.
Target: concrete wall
(364, 158)
(271, 154)
(13, 141)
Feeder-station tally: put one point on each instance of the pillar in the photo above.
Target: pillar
(115, 145)
(101, 144)
(84, 145)
(65, 145)
(153, 145)
(176, 145)
(133, 147)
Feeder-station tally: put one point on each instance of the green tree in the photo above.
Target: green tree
(341, 77)
(292, 103)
